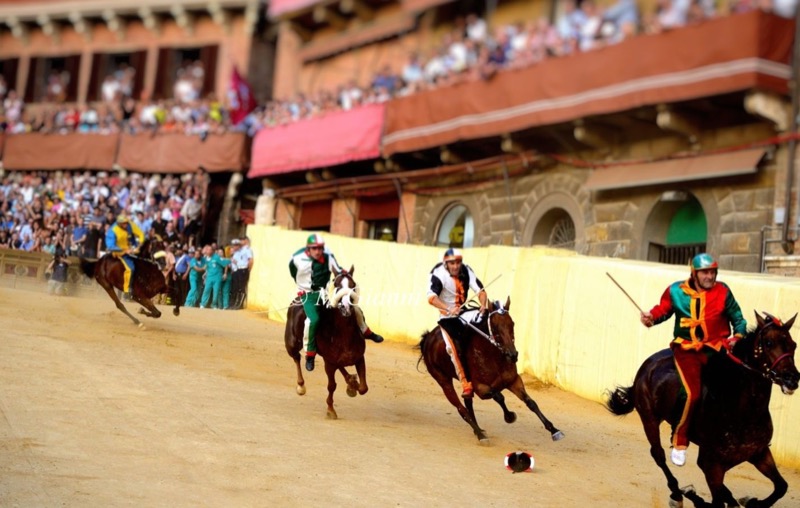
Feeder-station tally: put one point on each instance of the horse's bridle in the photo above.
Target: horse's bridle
(490, 336)
(769, 372)
(765, 370)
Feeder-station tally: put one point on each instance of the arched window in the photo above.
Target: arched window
(555, 229)
(456, 228)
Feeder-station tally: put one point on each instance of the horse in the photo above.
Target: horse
(732, 423)
(339, 339)
(147, 280)
(490, 357)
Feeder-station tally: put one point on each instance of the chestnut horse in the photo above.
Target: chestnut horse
(147, 280)
(490, 359)
(731, 424)
(339, 339)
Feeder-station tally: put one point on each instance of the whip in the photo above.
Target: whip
(625, 292)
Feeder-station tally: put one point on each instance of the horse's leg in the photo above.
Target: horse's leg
(651, 430)
(351, 380)
(293, 340)
(330, 370)
(715, 478)
(455, 400)
(361, 369)
(765, 463)
(518, 389)
(113, 294)
(508, 416)
(152, 311)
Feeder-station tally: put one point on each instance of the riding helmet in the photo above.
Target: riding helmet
(315, 240)
(452, 255)
(703, 261)
(122, 218)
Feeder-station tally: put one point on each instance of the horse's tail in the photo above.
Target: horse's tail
(88, 267)
(421, 347)
(621, 401)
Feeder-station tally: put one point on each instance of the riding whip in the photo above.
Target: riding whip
(484, 288)
(625, 292)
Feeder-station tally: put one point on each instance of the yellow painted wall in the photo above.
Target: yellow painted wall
(574, 328)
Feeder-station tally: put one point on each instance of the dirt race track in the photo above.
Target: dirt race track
(201, 410)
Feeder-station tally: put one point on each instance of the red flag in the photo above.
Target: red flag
(240, 97)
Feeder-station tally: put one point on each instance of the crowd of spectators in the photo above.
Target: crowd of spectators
(471, 50)
(69, 213)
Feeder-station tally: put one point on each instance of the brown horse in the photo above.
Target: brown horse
(147, 280)
(490, 359)
(731, 424)
(339, 339)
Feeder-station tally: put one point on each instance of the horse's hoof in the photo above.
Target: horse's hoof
(331, 415)
(511, 417)
(141, 326)
(675, 504)
(558, 435)
(688, 490)
(301, 390)
(351, 392)
(744, 500)
(176, 312)
(484, 441)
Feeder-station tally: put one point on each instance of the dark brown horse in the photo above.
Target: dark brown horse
(732, 423)
(339, 339)
(147, 280)
(490, 359)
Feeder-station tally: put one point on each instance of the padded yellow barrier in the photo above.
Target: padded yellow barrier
(574, 328)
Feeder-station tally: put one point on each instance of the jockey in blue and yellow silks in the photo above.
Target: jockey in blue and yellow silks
(705, 311)
(123, 239)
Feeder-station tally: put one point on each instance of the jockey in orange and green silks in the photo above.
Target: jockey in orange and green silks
(706, 314)
(122, 240)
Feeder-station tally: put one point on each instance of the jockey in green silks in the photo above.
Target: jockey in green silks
(311, 269)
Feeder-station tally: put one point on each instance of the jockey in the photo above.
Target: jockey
(123, 239)
(311, 269)
(705, 310)
(451, 281)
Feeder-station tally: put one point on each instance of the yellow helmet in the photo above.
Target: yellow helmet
(122, 218)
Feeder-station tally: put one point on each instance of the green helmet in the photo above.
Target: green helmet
(315, 240)
(703, 261)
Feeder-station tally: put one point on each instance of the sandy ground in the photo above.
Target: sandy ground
(201, 410)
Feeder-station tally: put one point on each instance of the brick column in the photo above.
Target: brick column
(286, 214)
(405, 222)
(344, 213)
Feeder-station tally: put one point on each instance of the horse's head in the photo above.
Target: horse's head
(773, 352)
(150, 247)
(344, 294)
(501, 329)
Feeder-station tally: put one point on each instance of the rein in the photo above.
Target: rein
(767, 372)
(490, 335)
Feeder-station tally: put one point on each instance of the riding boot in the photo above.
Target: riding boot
(466, 386)
(310, 361)
(376, 338)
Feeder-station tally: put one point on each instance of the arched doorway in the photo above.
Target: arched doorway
(677, 229)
